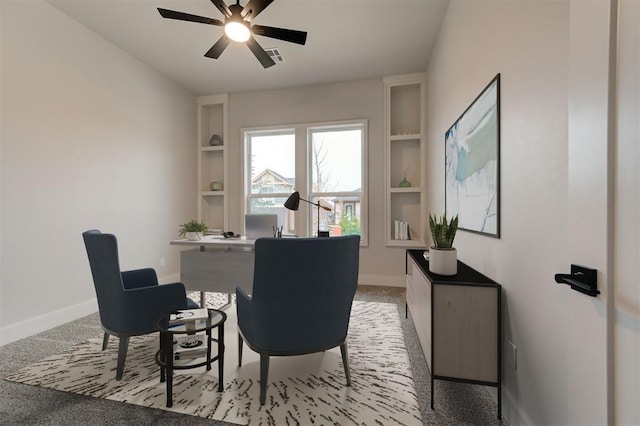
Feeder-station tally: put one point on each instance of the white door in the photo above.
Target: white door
(626, 335)
(590, 213)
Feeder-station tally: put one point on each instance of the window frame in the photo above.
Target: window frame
(304, 170)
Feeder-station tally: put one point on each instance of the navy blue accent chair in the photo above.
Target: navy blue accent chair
(303, 289)
(129, 302)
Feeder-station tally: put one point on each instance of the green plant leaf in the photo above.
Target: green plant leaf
(193, 226)
(443, 232)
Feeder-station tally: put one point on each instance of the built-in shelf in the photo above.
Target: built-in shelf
(211, 148)
(409, 190)
(405, 243)
(404, 137)
(404, 158)
(212, 161)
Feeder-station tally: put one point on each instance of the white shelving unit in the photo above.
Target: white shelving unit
(404, 158)
(212, 161)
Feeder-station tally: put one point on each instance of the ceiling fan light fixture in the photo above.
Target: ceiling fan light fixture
(237, 31)
(238, 26)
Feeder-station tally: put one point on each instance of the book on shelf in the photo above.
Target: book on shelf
(402, 231)
(184, 315)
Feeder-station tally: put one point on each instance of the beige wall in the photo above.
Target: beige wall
(379, 265)
(90, 138)
(527, 43)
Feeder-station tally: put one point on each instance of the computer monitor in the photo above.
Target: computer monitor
(260, 225)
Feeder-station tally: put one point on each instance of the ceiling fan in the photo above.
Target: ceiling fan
(238, 27)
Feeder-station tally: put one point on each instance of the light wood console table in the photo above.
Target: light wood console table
(459, 323)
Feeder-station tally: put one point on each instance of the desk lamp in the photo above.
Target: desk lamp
(293, 202)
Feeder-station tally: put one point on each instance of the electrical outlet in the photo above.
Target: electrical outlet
(163, 262)
(513, 355)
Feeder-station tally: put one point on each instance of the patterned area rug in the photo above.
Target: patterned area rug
(308, 389)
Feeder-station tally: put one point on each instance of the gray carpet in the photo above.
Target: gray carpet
(456, 403)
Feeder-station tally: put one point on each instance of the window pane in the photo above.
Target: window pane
(272, 163)
(336, 159)
(274, 205)
(343, 219)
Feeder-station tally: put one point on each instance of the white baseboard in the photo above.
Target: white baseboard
(167, 279)
(41, 323)
(363, 279)
(47, 321)
(381, 280)
(510, 410)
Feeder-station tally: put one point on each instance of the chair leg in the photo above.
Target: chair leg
(264, 377)
(105, 340)
(240, 342)
(122, 356)
(345, 362)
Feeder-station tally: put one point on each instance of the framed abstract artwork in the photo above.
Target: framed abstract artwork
(472, 164)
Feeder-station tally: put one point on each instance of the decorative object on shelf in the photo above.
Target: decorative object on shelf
(472, 164)
(216, 140)
(193, 230)
(404, 183)
(216, 186)
(443, 257)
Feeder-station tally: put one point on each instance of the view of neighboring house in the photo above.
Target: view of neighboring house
(341, 220)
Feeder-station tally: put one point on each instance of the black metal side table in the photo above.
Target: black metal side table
(170, 357)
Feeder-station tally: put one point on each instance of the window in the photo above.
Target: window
(336, 176)
(272, 169)
(329, 162)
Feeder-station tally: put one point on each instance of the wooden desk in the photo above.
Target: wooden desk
(217, 264)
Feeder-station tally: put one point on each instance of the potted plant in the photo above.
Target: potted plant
(193, 230)
(443, 257)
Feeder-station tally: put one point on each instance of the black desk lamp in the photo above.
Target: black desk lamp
(293, 202)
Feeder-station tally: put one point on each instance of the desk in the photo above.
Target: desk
(217, 264)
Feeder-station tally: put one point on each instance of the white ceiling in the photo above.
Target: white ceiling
(347, 40)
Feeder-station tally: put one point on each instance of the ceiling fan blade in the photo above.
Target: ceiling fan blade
(292, 36)
(260, 53)
(181, 16)
(217, 49)
(253, 8)
(222, 7)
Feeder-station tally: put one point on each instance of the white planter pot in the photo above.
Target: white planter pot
(443, 261)
(193, 236)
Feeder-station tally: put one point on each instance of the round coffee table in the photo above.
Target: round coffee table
(186, 344)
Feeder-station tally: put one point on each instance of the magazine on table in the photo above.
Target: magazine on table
(188, 315)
